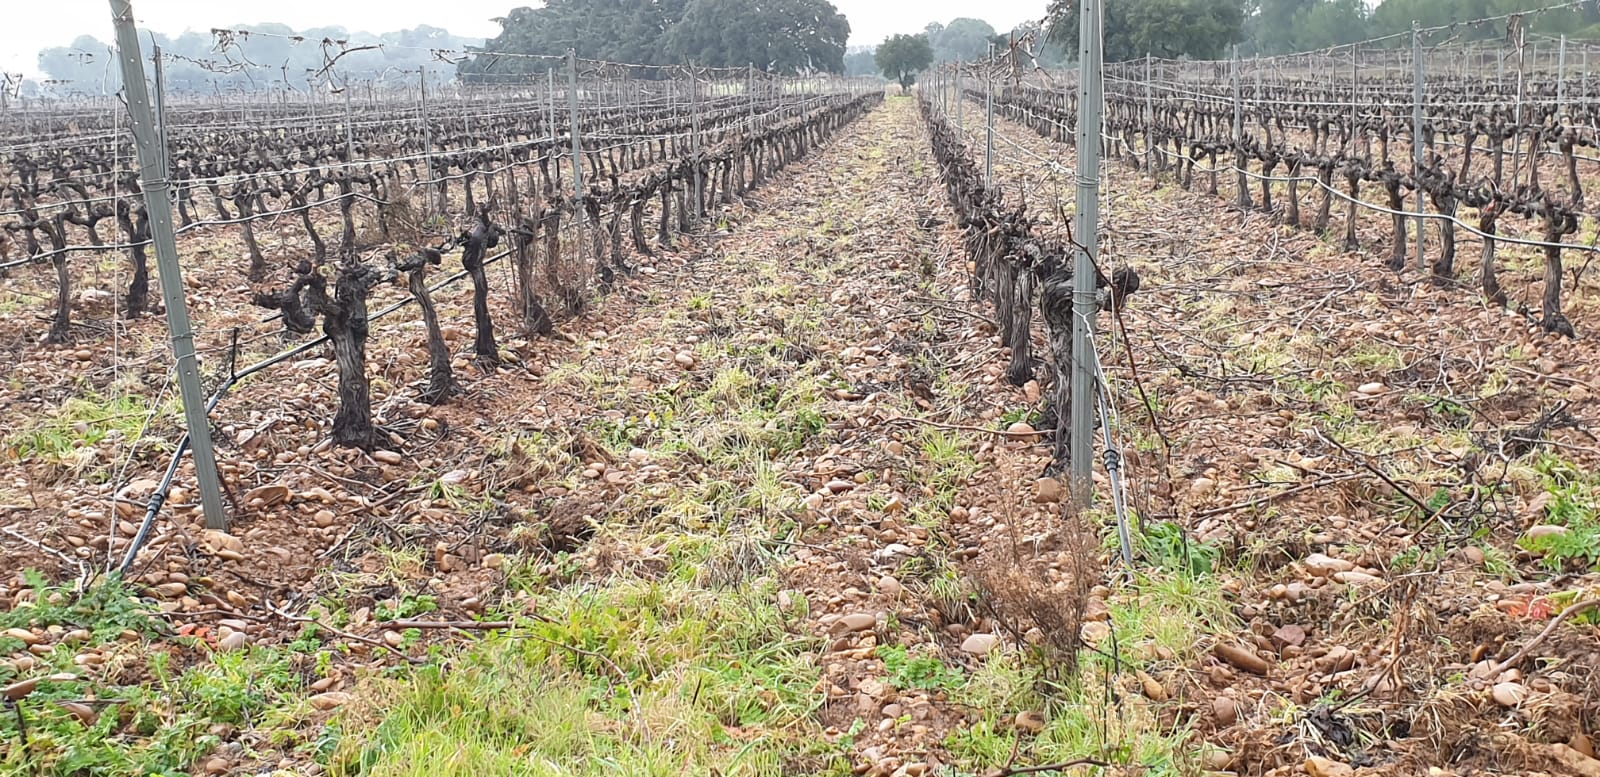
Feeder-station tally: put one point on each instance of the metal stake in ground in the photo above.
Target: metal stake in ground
(959, 100)
(1355, 93)
(1149, 114)
(694, 119)
(988, 111)
(1561, 79)
(1238, 130)
(153, 181)
(349, 129)
(1417, 141)
(427, 137)
(1087, 230)
(577, 150)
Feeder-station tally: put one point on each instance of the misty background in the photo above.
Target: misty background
(780, 36)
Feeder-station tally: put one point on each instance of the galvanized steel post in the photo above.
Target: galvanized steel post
(153, 182)
(1087, 230)
(1417, 141)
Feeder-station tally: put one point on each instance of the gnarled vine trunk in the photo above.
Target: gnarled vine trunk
(344, 321)
(441, 382)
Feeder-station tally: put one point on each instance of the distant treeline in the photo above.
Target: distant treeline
(1207, 29)
(778, 36)
(276, 57)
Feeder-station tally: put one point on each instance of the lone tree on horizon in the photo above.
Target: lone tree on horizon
(901, 57)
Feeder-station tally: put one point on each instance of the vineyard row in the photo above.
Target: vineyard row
(1299, 139)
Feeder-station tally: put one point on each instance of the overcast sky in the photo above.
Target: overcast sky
(31, 25)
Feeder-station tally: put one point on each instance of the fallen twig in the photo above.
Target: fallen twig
(341, 634)
(83, 569)
(1261, 500)
(935, 304)
(1055, 767)
(296, 619)
(1542, 635)
(958, 427)
(463, 625)
(1553, 378)
(1361, 459)
(385, 500)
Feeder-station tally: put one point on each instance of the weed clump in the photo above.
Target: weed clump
(1017, 590)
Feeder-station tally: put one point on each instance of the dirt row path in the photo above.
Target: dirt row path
(795, 403)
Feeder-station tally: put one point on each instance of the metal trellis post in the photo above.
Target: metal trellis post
(427, 135)
(577, 147)
(1149, 114)
(349, 127)
(1417, 141)
(988, 109)
(694, 122)
(1087, 230)
(956, 105)
(1355, 94)
(1238, 128)
(153, 180)
(1561, 77)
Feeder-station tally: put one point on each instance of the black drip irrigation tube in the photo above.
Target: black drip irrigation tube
(159, 498)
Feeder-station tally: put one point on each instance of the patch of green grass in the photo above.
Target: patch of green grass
(1417, 557)
(1315, 390)
(65, 437)
(1575, 495)
(1452, 412)
(630, 677)
(11, 304)
(1580, 544)
(1166, 615)
(1172, 611)
(946, 385)
(106, 610)
(409, 606)
(922, 670)
(1497, 562)
(1168, 547)
(1025, 415)
(1080, 722)
(619, 435)
(459, 498)
(947, 466)
(1496, 382)
(159, 724)
(1370, 355)
(578, 374)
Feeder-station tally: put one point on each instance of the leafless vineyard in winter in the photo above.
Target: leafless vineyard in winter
(737, 442)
